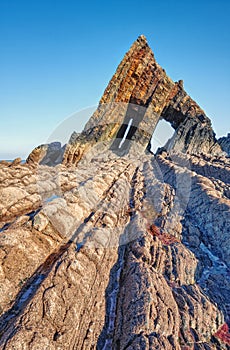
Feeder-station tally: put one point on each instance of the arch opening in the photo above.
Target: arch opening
(161, 135)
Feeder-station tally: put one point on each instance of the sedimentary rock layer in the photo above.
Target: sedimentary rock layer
(117, 260)
(117, 248)
(141, 91)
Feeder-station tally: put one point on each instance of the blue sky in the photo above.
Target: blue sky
(58, 56)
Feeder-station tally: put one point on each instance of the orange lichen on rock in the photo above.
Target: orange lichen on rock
(164, 237)
(223, 334)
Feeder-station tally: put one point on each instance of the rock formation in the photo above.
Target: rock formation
(224, 143)
(150, 94)
(114, 247)
(49, 154)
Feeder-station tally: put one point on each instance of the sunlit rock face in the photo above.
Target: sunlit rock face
(139, 95)
(104, 245)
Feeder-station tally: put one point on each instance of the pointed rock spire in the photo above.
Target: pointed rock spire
(139, 81)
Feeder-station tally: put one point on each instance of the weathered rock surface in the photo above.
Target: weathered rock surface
(117, 248)
(225, 143)
(141, 90)
(49, 154)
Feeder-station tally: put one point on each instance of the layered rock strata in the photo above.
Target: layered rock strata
(140, 91)
(117, 248)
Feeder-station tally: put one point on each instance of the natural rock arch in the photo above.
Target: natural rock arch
(140, 81)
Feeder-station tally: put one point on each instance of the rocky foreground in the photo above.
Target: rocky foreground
(107, 246)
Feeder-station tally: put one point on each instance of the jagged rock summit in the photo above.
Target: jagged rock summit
(148, 95)
(104, 245)
(140, 91)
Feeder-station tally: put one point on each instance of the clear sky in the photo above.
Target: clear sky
(56, 57)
